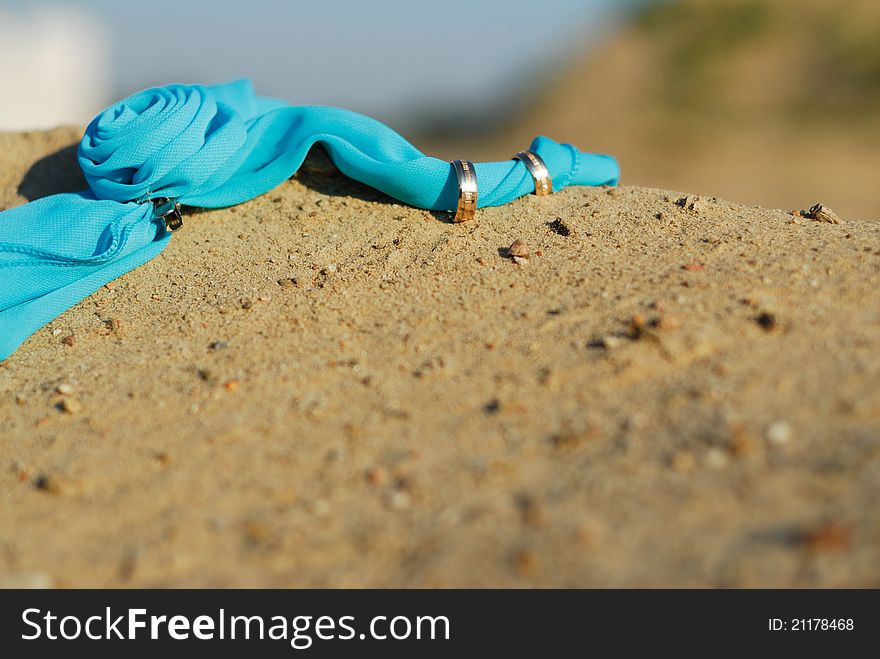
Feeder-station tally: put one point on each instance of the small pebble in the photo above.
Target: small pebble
(568, 439)
(525, 561)
(779, 433)
(610, 342)
(376, 476)
(518, 249)
(69, 340)
(218, 345)
(65, 389)
(56, 332)
(767, 321)
(399, 500)
(830, 537)
(716, 458)
(49, 484)
(558, 226)
(693, 203)
(741, 442)
(71, 405)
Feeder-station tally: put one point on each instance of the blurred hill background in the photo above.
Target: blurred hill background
(770, 102)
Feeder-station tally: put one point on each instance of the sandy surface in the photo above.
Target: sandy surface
(323, 388)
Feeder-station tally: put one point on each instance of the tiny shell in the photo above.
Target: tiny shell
(518, 249)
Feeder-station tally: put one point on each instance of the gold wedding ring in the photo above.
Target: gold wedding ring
(538, 170)
(467, 190)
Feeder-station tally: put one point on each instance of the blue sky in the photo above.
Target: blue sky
(389, 58)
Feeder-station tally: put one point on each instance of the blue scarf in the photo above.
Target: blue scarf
(214, 147)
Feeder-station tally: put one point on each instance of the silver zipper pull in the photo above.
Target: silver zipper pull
(169, 211)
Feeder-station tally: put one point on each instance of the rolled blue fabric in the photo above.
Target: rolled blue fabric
(214, 147)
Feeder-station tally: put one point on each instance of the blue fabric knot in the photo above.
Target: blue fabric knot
(212, 147)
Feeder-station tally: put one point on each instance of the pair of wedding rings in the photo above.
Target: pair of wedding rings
(467, 182)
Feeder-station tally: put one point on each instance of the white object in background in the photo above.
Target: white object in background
(54, 67)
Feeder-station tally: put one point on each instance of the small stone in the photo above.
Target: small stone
(822, 213)
(258, 534)
(113, 325)
(741, 442)
(569, 438)
(65, 389)
(779, 433)
(716, 458)
(518, 249)
(218, 345)
(610, 342)
(399, 500)
(70, 406)
(767, 321)
(520, 260)
(692, 203)
(830, 537)
(558, 226)
(56, 332)
(329, 269)
(376, 476)
(48, 484)
(69, 340)
(230, 385)
(525, 561)
(246, 303)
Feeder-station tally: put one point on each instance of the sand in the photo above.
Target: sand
(321, 387)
